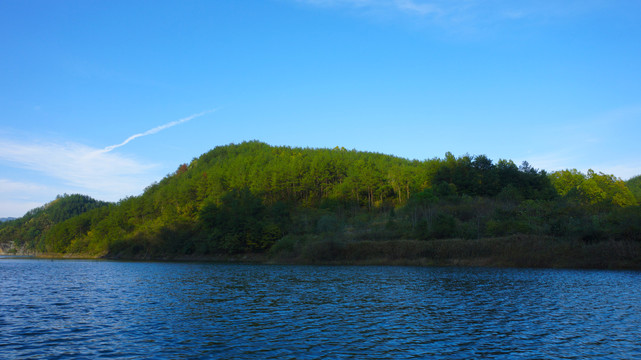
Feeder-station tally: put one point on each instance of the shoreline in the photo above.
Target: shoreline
(517, 251)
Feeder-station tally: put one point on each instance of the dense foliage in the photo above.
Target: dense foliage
(634, 185)
(253, 197)
(32, 231)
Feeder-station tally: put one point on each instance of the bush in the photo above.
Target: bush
(444, 226)
(323, 250)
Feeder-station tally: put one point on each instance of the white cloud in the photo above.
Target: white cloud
(328, 3)
(578, 158)
(514, 14)
(17, 188)
(16, 198)
(101, 174)
(604, 142)
(552, 161)
(12, 208)
(73, 168)
(457, 15)
(620, 115)
(624, 171)
(155, 130)
(419, 8)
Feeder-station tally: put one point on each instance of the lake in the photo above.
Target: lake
(59, 309)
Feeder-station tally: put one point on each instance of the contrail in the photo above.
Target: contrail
(155, 130)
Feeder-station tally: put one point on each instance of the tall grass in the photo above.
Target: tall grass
(509, 251)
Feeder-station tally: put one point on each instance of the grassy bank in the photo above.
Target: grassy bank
(512, 251)
(517, 251)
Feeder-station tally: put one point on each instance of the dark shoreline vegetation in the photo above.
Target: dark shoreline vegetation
(255, 202)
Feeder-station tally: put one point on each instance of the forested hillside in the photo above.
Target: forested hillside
(32, 232)
(314, 203)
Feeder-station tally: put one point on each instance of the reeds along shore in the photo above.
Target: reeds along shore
(518, 251)
(511, 251)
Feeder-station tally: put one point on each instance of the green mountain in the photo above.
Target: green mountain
(29, 232)
(333, 205)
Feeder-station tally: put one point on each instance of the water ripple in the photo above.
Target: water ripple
(101, 309)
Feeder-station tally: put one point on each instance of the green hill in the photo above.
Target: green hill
(29, 232)
(335, 205)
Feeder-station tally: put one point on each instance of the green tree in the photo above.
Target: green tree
(566, 180)
(634, 184)
(594, 189)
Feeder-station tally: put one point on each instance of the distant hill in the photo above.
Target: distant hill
(28, 232)
(7, 219)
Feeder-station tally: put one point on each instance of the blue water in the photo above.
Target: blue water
(100, 309)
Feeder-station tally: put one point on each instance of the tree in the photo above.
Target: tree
(594, 189)
(239, 224)
(566, 180)
(634, 184)
(611, 190)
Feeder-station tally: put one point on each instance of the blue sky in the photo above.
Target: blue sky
(105, 97)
